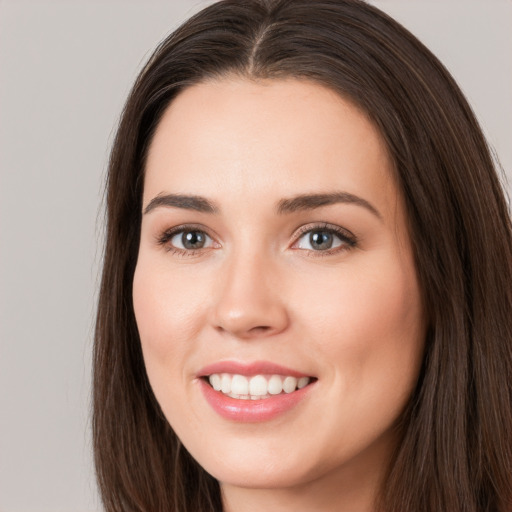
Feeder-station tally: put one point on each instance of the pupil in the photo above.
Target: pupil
(193, 240)
(321, 240)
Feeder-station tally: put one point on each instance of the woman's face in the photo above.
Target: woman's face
(274, 254)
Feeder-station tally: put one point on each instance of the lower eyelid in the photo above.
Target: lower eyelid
(337, 245)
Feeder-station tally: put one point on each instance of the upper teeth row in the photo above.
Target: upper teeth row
(259, 386)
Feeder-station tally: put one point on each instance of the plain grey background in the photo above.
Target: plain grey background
(65, 70)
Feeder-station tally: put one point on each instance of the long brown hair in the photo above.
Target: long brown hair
(456, 434)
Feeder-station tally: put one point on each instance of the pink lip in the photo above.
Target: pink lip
(251, 411)
(248, 369)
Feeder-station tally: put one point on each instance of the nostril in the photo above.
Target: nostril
(260, 329)
(248, 318)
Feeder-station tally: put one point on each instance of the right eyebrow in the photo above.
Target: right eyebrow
(312, 201)
(187, 202)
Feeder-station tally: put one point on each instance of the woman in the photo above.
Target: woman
(306, 293)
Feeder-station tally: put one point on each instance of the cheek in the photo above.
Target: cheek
(167, 312)
(370, 321)
(381, 296)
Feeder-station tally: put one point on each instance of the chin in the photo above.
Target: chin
(261, 477)
(252, 469)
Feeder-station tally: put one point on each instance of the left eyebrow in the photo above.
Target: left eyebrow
(187, 202)
(312, 201)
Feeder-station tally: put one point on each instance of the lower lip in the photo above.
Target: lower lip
(252, 411)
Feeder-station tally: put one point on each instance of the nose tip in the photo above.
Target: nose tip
(250, 303)
(250, 324)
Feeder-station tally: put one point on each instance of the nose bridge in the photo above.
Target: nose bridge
(249, 302)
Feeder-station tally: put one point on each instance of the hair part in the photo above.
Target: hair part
(456, 451)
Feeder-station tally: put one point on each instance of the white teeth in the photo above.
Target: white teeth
(257, 387)
(275, 385)
(302, 382)
(289, 384)
(215, 381)
(239, 385)
(225, 383)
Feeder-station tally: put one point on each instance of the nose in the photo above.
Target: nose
(250, 301)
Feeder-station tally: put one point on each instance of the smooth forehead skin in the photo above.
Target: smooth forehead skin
(251, 137)
(351, 319)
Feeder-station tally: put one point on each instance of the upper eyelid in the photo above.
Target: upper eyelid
(187, 227)
(326, 226)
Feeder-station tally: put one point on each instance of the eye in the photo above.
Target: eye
(190, 240)
(324, 239)
(319, 241)
(185, 240)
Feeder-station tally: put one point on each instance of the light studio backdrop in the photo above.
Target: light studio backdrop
(65, 70)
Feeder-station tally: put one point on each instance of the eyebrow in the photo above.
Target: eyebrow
(284, 206)
(187, 202)
(312, 201)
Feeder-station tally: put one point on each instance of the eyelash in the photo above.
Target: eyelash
(165, 238)
(348, 240)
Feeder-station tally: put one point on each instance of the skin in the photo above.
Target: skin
(351, 316)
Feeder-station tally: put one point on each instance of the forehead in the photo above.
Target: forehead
(266, 139)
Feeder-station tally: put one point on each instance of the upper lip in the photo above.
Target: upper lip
(248, 369)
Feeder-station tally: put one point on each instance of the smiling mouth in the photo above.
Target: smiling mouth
(257, 387)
